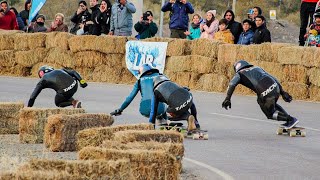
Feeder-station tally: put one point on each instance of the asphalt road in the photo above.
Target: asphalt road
(242, 143)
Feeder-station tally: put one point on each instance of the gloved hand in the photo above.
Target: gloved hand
(116, 112)
(286, 97)
(83, 83)
(226, 103)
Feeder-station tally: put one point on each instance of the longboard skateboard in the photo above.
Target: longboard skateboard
(174, 126)
(197, 134)
(293, 132)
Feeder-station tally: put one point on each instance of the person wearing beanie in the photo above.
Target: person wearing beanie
(211, 25)
(37, 26)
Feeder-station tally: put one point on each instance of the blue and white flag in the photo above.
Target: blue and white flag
(36, 5)
(152, 53)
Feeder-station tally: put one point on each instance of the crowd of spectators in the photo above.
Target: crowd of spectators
(105, 18)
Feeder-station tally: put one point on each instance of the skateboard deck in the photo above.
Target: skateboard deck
(197, 135)
(293, 132)
(173, 126)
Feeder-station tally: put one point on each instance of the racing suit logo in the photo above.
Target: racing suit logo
(184, 104)
(271, 88)
(70, 87)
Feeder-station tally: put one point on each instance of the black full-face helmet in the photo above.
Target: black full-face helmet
(316, 14)
(44, 69)
(158, 80)
(145, 68)
(241, 65)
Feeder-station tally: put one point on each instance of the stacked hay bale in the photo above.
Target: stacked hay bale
(96, 136)
(33, 120)
(79, 169)
(60, 130)
(145, 164)
(9, 117)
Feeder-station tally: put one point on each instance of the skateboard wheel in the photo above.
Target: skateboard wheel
(293, 133)
(303, 134)
(161, 128)
(206, 137)
(279, 131)
(196, 136)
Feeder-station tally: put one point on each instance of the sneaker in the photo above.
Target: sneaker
(76, 104)
(284, 124)
(292, 123)
(191, 123)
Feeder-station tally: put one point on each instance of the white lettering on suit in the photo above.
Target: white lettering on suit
(271, 88)
(70, 87)
(184, 104)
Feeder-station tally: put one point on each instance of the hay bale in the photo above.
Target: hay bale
(6, 41)
(9, 117)
(31, 57)
(111, 44)
(213, 82)
(16, 70)
(228, 53)
(7, 58)
(89, 59)
(205, 47)
(145, 164)
(294, 73)
(296, 90)
(311, 57)
(58, 40)
(105, 73)
(176, 149)
(248, 53)
(314, 76)
(148, 135)
(176, 47)
(60, 130)
(265, 52)
(61, 57)
(90, 169)
(201, 64)
(95, 136)
(37, 175)
(276, 48)
(178, 63)
(29, 41)
(183, 78)
(314, 93)
(291, 55)
(33, 120)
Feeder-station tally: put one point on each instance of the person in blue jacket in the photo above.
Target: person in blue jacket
(145, 85)
(246, 37)
(179, 19)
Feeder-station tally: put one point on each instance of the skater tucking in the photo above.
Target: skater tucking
(267, 88)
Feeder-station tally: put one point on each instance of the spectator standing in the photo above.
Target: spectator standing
(194, 30)
(262, 34)
(93, 26)
(179, 19)
(211, 25)
(246, 37)
(58, 24)
(81, 16)
(146, 28)
(8, 20)
(234, 26)
(121, 18)
(25, 13)
(307, 9)
(103, 17)
(19, 19)
(224, 34)
(37, 26)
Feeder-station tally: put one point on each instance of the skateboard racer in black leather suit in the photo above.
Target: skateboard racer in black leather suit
(267, 88)
(178, 99)
(63, 81)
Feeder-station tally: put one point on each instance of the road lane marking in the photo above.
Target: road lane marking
(213, 169)
(259, 120)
